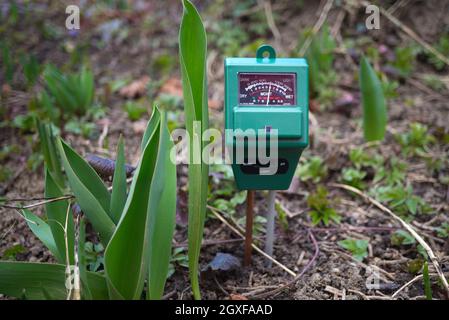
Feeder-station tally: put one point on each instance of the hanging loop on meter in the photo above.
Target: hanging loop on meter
(261, 51)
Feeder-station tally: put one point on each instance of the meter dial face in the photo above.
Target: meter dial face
(267, 89)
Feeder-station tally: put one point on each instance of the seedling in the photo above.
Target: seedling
(353, 177)
(73, 93)
(134, 110)
(416, 140)
(321, 211)
(313, 169)
(357, 247)
(401, 199)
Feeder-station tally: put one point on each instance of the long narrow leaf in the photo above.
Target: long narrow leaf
(90, 192)
(151, 127)
(126, 256)
(374, 105)
(118, 198)
(162, 214)
(42, 230)
(49, 150)
(192, 48)
(57, 217)
(39, 281)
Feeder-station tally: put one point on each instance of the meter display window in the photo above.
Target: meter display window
(267, 89)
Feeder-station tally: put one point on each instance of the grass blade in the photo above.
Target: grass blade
(192, 48)
(90, 192)
(374, 105)
(426, 281)
(118, 198)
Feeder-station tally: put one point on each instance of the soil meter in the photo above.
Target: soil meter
(269, 96)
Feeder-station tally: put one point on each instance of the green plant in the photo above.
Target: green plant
(391, 174)
(320, 57)
(179, 257)
(401, 199)
(138, 225)
(357, 247)
(443, 47)
(7, 62)
(443, 230)
(192, 55)
(31, 69)
(320, 209)
(72, 93)
(94, 256)
(312, 169)
(353, 177)
(373, 101)
(426, 281)
(401, 237)
(404, 60)
(416, 140)
(134, 110)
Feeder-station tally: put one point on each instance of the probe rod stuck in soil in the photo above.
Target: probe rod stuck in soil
(249, 227)
(271, 215)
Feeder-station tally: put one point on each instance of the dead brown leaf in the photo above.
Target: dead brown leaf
(135, 89)
(172, 86)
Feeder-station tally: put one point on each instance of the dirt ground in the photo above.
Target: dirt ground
(330, 272)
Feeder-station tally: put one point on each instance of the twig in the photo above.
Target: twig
(272, 24)
(410, 33)
(37, 204)
(408, 227)
(48, 200)
(317, 26)
(410, 283)
(240, 234)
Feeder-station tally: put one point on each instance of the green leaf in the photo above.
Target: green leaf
(48, 147)
(358, 248)
(192, 54)
(57, 215)
(39, 281)
(151, 127)
(90, 192)
(118, 198)
(162, 214)
(426, 281)
(374, 105)
(42, 230)
(131, 239)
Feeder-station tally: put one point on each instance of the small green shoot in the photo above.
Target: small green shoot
(313, 169)
(357, 247)
(374, 103)
(134, 110)
(353, 177)
(320, 209)
(416, 140)
(426, 281)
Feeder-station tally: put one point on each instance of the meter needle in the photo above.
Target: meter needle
(269, 92)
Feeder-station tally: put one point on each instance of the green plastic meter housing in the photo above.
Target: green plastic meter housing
(267, 93)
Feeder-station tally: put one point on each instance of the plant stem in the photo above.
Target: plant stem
(271, 214)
